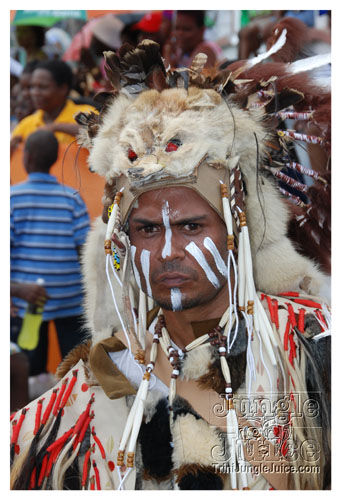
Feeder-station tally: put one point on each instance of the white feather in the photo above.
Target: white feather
(310, 63)
(275, 48)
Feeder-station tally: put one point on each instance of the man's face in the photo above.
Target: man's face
(178, 248)
(45, 92)
(188, 33)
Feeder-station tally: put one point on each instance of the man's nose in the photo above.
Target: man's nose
(172, 245)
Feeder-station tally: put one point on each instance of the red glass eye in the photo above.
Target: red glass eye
(132, 155)
(172, 146)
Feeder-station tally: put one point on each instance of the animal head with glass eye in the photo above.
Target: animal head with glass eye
(170, 147)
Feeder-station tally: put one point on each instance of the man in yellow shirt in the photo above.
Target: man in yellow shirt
(50, 86)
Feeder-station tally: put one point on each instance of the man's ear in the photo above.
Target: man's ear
(65, 89)
(27, 159)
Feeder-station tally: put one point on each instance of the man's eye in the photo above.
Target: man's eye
(191, 226)
(148, 229)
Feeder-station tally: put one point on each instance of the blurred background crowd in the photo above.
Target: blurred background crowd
(57, 69)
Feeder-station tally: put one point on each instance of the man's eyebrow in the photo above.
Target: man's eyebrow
(187, 220)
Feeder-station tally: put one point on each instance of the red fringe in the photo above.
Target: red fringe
(49, 406)
(38, 414)
(98, 482)
(69, 389)
(100, 446)
(62, 390)
(85, 467)
(17, 427)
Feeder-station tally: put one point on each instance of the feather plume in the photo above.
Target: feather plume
(284, 99)
(112, 69)
(261, 57)
(309, 63)
(296, 39)
(199, 62)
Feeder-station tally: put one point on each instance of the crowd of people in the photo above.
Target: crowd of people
(50, 223)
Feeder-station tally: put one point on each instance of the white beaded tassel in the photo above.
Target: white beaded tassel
(255, 313)
(135, 416)
(232, 430)
(231, 259)
(142, 323)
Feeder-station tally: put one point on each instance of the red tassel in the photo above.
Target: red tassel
(17, 427)
(286, 335)
(38, 414)
(291, 315)
(98, 482)
(61, 392)
(33, 479)
(292, 348)
(52, 458)
(321, 318)
(85, 467)
(92, 483)
(43, 469)
(100, 446)
(289, 294)
(308, 303)
(69, 389)
(301, 320)
(275, 310)
(60, 441)
(49, 406)
(84, 428)
(270, 308)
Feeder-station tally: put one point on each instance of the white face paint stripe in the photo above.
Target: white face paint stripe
(136, 273)
(221, 266)
(145, 264)
(195, 251)
(176, 299)
(167, 249)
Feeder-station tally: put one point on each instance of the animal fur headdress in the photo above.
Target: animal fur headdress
(186, 127)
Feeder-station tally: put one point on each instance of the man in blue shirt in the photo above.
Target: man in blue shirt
(49, 224)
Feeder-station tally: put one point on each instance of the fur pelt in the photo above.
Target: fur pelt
(81, 351)
(100, 314)
(187, 448)
(148, 123)
(197, 362)
(155, 438)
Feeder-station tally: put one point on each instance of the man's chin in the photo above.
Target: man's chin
(186, 303)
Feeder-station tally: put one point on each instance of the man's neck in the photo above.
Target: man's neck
(50, 116)
(179, 324)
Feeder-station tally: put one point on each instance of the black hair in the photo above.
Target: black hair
(60, 71)
(39, 34)
(30, 66)
(43, 146)
(197, 15)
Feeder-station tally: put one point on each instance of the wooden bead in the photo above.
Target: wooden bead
(230, 242)
(117, 198)
(242, 219)
(130, 459)
(223, 191)
(107, 246)
(120, 458)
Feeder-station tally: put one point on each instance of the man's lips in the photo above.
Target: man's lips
(172, 279)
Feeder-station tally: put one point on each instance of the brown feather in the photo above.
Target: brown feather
(81, 351)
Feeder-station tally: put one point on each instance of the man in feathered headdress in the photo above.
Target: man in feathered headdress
(192, 379)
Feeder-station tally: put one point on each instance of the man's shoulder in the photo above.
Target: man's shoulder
(27, 123)
(17, 188)
(71, 108)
